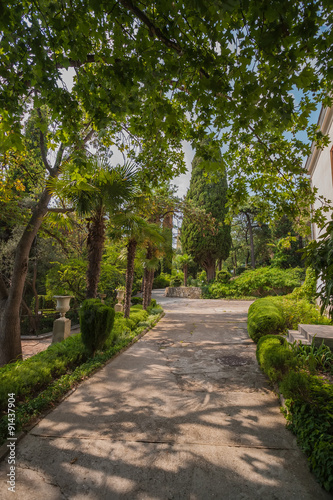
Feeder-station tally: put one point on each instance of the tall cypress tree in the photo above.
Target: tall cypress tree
(207, 191)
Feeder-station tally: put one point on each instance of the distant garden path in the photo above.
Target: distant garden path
(185, 413)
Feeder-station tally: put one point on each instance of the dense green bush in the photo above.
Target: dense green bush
(41, 380)
(31, 375)
(307, 290)
(176, 281)
(258, 283)
(136, 300)
(309, 404)
(294, 309)
(125, 325)
(96, 323)
(264, 318)
(274, 356)
(162, 281)
(297, 312)
(222, 276)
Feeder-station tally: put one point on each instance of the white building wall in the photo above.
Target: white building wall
(320, 165)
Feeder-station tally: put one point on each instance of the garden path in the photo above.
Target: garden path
(185, 413)
(32, 346)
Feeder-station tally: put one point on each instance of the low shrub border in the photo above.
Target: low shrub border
(308, 404)
(35, 405)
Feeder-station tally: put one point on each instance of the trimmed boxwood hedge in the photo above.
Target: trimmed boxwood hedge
(264, 318)
(96, 323)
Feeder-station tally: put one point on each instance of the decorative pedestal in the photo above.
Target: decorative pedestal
(120, 296)
(102, 297)
(62, 325)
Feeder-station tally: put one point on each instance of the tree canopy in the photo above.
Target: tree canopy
(252, 71)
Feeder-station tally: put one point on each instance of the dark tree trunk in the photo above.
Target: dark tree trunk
(10, 300)
(247, 258)
(185, 270)
(131, 249)
(249, 225)
(210, 266)
(150, 285)
(147, 282)
(145, 292)
(95, 242)
(34, 289)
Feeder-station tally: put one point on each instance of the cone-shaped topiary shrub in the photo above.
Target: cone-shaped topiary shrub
(96, 322)
(264, 318)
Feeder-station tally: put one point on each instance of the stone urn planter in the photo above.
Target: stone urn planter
(102, 297)
(62, 304)
(62, 325)
(120, 297)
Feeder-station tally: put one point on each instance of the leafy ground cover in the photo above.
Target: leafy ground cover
(42, 380)
(299, 372)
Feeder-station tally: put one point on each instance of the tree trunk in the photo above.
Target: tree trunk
(209, 267)
(145, 288)
(150, 285)
(249, 225)
(147, 283)
(10, 300)
(131, 249)
(34, 289)
(95, 243)
(185, 269)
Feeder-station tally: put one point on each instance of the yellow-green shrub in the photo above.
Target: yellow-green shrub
(264, 318)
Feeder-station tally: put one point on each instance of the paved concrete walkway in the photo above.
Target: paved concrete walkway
(183, 414)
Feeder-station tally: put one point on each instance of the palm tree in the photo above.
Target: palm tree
(137, 231)
(100, 193)
(154, 251)
(182, 262)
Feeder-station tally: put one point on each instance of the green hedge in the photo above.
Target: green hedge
(43, 379)
(259, 282)
(309, 404)
(136, 300)
(294, 309)
(162, 280)
(25, 378)
(96, 324)
(264, 318)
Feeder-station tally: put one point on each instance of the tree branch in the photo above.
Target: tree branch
(59, 156)
(153, 30)
(59, 240)
(42, 145)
